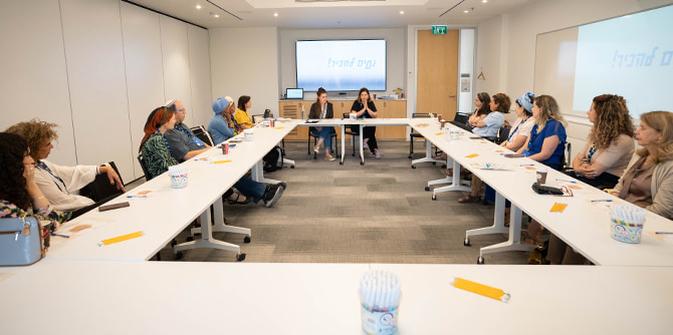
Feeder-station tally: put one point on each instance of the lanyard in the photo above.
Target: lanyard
(42, 166)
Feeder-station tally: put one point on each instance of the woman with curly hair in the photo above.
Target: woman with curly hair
(19, 194)
(60, 184)
(610, 144)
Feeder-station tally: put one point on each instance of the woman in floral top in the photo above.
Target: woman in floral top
(19, 194)
(154, 147)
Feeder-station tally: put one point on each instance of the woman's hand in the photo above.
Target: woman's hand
(112, 176)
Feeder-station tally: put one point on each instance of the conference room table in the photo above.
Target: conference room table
(584, 224)
(161, 212)
(265, 298)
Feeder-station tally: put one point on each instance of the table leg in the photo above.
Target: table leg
(455, 183)
(362, 152)
(257, 174)
(207, 241)
(343, 144)
(513, 243)
(428, 156)
(498, 226)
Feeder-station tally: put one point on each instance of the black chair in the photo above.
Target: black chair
(141, 160)
(413, 134)
(333, 135)
(462, 120)
(353, 131)
(567, 156)
(257, 117)
(202, 134)
(100, 190)
(503, 133)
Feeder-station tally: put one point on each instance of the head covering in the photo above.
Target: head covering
(221, 104)
(526, 101)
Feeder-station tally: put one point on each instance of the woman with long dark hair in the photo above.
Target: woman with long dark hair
(364, 108)
(241, 114)
(322, 109)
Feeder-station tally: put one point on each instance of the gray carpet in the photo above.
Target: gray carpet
(379, 212)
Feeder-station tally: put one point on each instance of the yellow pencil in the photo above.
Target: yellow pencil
(223, 161)
(481, 289)
(120, 238)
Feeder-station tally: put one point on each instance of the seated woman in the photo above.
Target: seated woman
(481, 108)
(157, 149)
(241, 114)
(322, 109)
(20, 196)
(546, 143)
(60, 184)
(223, 125)
(647, 183)
(364, 108)
(609, 147)
(487, 125)
(520, 129)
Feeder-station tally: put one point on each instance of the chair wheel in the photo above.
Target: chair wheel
(179, 255)
(189, 238)
(443, 166)
(174, 243)
(291, 166)
(353, 154)
(413, 166)
(427, 189)
(434, 163)
(409, 157)
(247, 239)
(480, 260)
(362, 163)
(341, 163)
(434, 197)
(240, 257)
(466, 242)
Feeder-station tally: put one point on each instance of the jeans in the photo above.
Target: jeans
(325, 133)
(250, 188)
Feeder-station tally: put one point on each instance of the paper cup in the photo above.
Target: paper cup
(178, 176)
(626, 223)
(352, 116)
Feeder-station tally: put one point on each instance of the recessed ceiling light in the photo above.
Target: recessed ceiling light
(198, 6)
(401, 12)
(275, 14)
(217, 16)
(484, 1)
(466, 11)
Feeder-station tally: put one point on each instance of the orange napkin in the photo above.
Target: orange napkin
(558, 207)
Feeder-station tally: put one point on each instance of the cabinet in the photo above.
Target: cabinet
(386, 109)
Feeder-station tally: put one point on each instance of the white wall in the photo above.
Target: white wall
(244, 61)
(506, 44)
(33, 67)
(97, 68)
(396, 54)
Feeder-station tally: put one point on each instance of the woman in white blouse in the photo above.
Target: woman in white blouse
(520, 129)
(60, 184)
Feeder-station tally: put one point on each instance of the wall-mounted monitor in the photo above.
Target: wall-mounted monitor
(341, 65)
(294, 93)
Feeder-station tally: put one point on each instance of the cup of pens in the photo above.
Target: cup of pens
(178, 176)
(626, 223)
(380, 302)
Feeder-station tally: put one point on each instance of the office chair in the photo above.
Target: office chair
(202, 134)
(353, 131)
(141, 160)
(333, 135)
(413, 134)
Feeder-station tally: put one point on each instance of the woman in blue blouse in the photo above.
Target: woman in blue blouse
(487, 125)
(546, 143)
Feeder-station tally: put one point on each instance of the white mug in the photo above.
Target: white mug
(247, 134)
(178, 176)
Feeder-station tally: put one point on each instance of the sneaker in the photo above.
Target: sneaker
(365, 146)
(273, 194)
(316, 149)
(330, 158)
(377, 154)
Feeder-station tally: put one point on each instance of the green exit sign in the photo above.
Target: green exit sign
(440, 30)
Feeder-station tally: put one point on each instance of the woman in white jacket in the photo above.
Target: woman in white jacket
(60, 184)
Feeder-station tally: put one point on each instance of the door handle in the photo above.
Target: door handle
(452, 96)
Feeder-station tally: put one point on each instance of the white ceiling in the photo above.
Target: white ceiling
(330, 13)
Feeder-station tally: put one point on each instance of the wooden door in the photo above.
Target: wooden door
(437, 79)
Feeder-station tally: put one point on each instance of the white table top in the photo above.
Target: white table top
(585, 226)
(240, 298)
(355, 122)
(166, 211)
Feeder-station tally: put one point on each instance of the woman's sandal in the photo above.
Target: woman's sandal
(468, 198)
(234, 199)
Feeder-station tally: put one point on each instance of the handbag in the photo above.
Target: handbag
(20, 241)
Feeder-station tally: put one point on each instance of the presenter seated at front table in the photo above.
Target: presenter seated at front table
(322, 109)
(364, 108)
